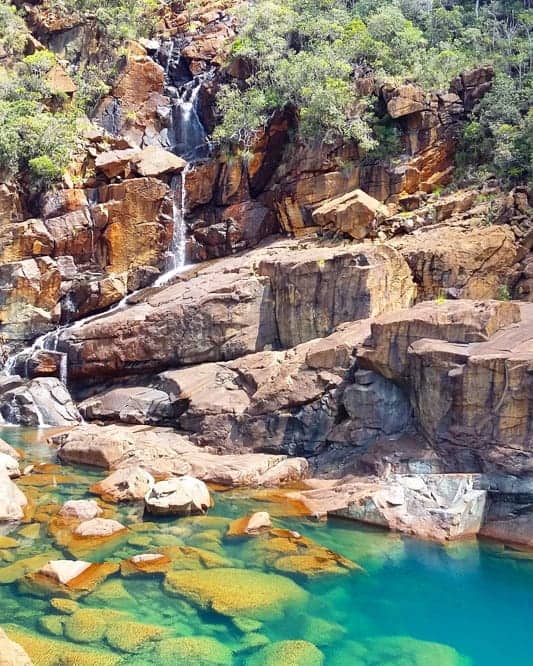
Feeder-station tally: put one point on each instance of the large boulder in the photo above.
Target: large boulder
(179, 496)
(316, 289)
(471, 262)
(353, 214)
(133, 404)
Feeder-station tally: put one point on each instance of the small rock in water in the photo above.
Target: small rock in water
(179, 496)
(80, 509)
(250, 525)
(125, 485)
(64, 571)
(98, 527)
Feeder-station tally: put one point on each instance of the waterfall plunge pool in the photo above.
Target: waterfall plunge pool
(412, 603)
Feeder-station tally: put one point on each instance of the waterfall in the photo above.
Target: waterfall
(176, 258)
(186, 134)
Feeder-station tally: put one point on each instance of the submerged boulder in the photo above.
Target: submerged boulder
(179, 496)
(188, 650)
(236, 592)
(288, 653)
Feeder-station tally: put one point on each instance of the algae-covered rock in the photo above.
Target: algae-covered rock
(147, 563)
(53, 578)
(288, 653)
(318, 630)
(111, 593)
(396, 651)
(88, 625)
(235, 592)
(54, 652)
(65, 606)
(201, 650)
(132, 636)
(52, 624)
(8, 542)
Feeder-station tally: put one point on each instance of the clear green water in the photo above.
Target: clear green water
(415, 603)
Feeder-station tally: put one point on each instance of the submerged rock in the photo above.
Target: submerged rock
(288, 653)
(236, 592)
(394, 650)
(181, 496)
(193, 650)
(51, 651)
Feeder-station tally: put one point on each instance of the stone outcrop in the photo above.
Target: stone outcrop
(434, 506)
(458, 262)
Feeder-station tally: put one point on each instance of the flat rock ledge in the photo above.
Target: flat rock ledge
(164, 453)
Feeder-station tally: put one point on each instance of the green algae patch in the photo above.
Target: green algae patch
(397, 651)
(198, 650)
(319, 631)
(52, 652)
(132, 636)
(288, 653)
(236, 592)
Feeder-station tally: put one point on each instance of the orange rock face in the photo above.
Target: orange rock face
(134, 233)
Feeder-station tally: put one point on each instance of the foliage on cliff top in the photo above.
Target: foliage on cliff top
(308, 54)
